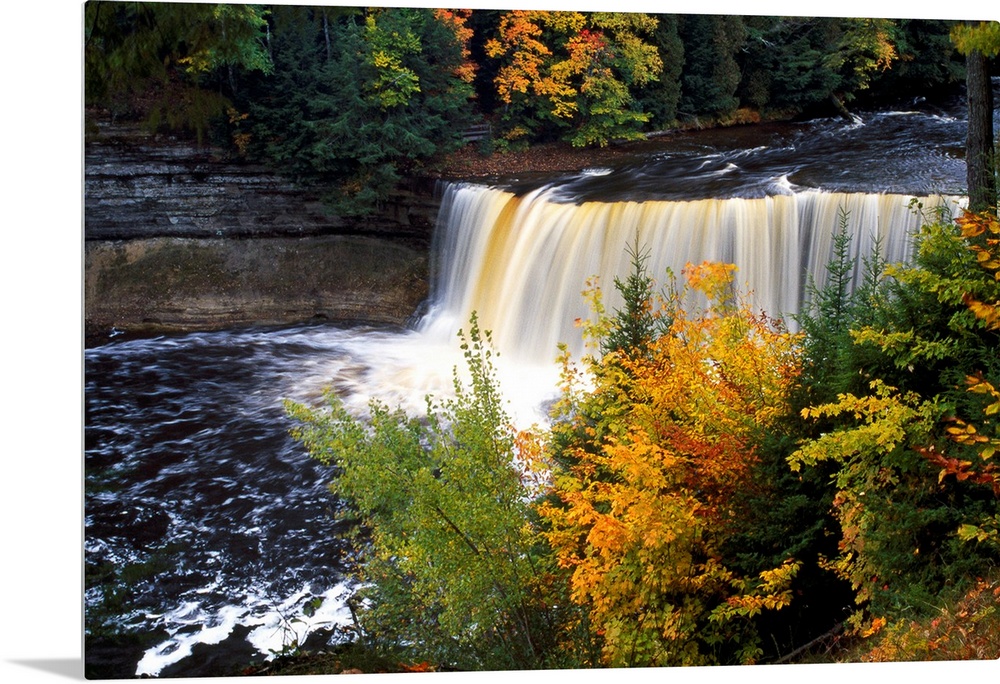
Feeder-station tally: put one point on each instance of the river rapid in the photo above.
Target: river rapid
(210, 536)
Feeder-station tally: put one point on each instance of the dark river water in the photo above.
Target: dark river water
(203, 518)
(909, 151)
(208, 530)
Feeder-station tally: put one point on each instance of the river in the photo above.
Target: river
(210, 535)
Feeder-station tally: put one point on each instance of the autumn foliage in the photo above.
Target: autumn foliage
(573, 70)
(916, 484)
(630, 531)
(457, 22)
(968, 630)
(651, 461)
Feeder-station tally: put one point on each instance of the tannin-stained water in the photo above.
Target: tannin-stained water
(209, 530)
(521, 262)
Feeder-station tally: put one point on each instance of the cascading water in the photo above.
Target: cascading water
(522, 262)
(208, 530)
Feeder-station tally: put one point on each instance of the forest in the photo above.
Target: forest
(350, 99)
(713, 488)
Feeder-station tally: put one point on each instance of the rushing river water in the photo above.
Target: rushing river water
(208, 531)
(902, 151)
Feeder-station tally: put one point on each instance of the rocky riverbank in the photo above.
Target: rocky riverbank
(140, 185)
(170, 284)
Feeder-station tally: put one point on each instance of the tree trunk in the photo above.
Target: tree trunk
(326, 36)
(842, 109)
(979, 150)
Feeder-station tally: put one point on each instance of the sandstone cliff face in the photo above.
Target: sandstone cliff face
(140, 185)
(179, 238)
(178, 284)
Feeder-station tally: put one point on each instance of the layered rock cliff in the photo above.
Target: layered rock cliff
(178, 237)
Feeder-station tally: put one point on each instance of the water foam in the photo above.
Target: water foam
(274, 626)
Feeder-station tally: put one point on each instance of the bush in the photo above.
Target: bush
(450, 569)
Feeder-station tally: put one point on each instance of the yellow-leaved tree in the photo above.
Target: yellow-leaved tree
(570, 70)
(647, 461)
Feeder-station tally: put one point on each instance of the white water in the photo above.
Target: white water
(276, 626)
(522, 263)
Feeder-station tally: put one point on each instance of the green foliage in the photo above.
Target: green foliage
(931, 337)
(864, 48)
(711, 65)
(781, 514)
(833, 364)
(388, 43)
(608, 109)
(606, 114)
(358, 99)
(910, 484)
(827, 313)
(451, 572)
(786, 63)
(641, 320)
(659, 98)
(711, 73)
(791, 64)
(983, 37)
(927, 60)
(169, 63)
(881, 532)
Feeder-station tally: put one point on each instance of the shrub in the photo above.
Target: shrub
(449, 567)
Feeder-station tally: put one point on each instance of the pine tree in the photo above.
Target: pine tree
(360, 98)
(635, 326)
(711, 74)
(660, 98)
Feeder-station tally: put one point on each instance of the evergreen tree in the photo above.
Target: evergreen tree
(359, 98)
(635, 326)
(280, 104)
(171, 65)
(785, 64)
(660, 98)
(928, 62)
(711, 73)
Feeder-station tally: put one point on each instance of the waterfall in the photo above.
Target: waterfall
(522, 262)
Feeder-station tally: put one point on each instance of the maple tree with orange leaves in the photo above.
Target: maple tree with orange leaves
(573, 71)
(457, 22)
(651, 461)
